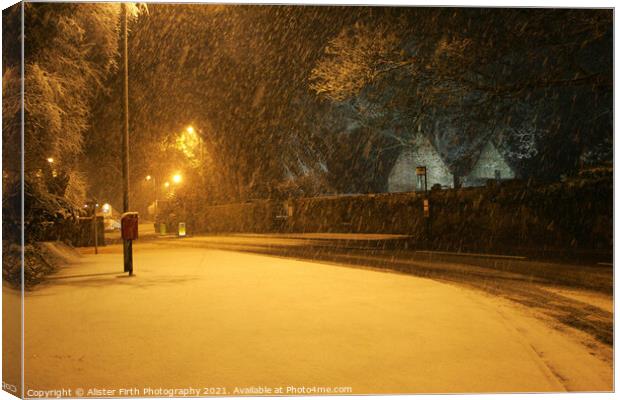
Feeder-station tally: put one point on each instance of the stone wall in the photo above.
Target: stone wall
(255, 216)
(511, 215)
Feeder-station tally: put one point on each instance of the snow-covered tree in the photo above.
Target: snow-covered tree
(472, 69)
(70, 50)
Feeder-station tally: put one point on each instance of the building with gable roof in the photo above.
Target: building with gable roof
(402, 177)
(491, 164)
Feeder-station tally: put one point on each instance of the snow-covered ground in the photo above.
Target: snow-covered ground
(210, 318)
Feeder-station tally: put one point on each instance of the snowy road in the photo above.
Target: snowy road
(222, 319)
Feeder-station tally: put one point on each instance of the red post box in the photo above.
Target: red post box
(129, 225)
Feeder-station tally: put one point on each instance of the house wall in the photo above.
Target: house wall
(488, 163)
(402, 178)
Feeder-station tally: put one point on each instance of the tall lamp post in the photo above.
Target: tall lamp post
(201, 140)
(150, 178)
(176, 180)
(127, 244)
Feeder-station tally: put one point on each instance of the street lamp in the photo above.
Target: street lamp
(177, 178)
(50, 161)
(190, 129)
(149, 178)
(166, 184)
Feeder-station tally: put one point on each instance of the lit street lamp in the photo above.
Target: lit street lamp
(149, 178)
(199, 135)
(50, 160)
(176, 179)
(106, 208)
